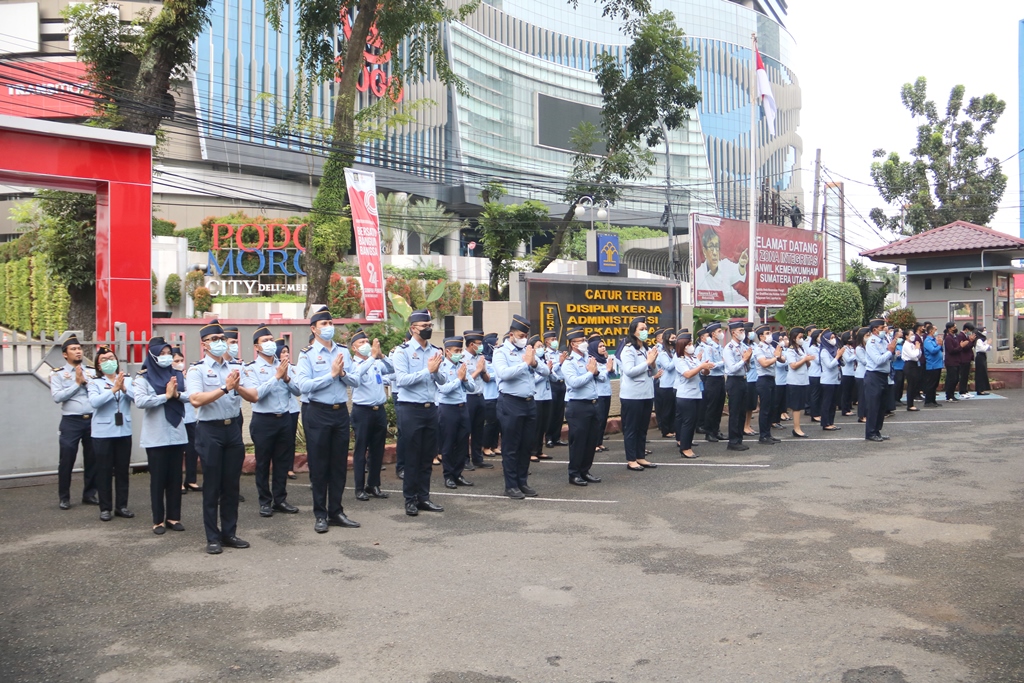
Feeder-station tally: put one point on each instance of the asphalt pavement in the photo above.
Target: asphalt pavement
(825, 559)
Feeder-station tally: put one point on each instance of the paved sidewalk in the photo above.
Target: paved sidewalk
(826, 559)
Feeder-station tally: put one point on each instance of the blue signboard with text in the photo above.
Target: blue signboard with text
(608, 256)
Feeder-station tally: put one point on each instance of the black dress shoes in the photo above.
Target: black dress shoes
(411, 509)
(469, 467)
(241, 498)
(462, 481)
(124, 512)
(320, 526)
(429, 506)
(159, 530)
(874, 437)
(722, 437)
(884, 437)
(341, 519)
(450, 484)
(591, 478)
(561, 443)
(649, 465)
(737, 447)
(484, 466)
(64, 505)
(776, 440)
(362, 495)
(700, 430)
(266, 511)
(106, 515)
(766, 441)
(710, 437)
(375, 492)
(234, 542)
(174, 526)
(286, 508)
(528, 491)
(213, 548)
(90, 500)
(799, 436)
(577, 481)
(292, 475)
(515, 493)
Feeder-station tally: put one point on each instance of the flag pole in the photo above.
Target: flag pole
(752, 238)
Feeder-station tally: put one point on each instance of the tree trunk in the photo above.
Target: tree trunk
(493, 291)
(556, 242)
(318, 278)
(82, 309)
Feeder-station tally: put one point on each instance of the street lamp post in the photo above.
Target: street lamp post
(586, 203)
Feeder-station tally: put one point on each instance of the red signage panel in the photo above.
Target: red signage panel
(45, 90)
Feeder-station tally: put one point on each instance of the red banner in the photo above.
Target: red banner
(362, 196)
(45, 90)
(721, 259)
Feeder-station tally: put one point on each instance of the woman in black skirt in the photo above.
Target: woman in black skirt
(981, 349)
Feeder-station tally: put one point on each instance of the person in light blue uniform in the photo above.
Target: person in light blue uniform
(636, 393)
(583, 376)
(515, 365)
(860, 353)
(323, 378)
(736, 357)
(878, 351)
(714, 383)
(472, 354)
(417, 376)
(453, 412)
(369, 416)
(765, 360)
(665, 394)
(211, 385)
(160, 393)
(688, 369)
(268, 384)
(111, 395)
(553, 430)
(848, 382)
(597, 349)
(814, 376)
(284, 354)
(492, 427)
(749, 342)
(830, 357)
(68, 388)
(189, 481)
(780, 340)
(797, 383)
(541, 397)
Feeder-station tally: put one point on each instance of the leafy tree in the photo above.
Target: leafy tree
(650, 91)
(576, 246)
(503, 228)
(431, 222)
(873, 285)
(826, 303)
(67, 236)
(949, 177)
(902, 318)
(172, 290)
(202, 299)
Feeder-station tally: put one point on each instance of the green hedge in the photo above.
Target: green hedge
(31, 299)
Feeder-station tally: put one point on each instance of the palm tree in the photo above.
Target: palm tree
(392, 211)
(429, 219)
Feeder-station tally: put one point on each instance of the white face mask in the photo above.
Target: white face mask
(363, 349)
(689, 349)
(784, 342)
(751, 336)
(164, 361)
(269, 348)
(180, 367)
(719, 336)
(519, 342)
(540, 352)
(581, 348)
(832, 341)
(233, 350)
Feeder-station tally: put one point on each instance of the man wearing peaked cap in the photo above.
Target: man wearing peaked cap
(878, 358)
(323, 376)
(736, 357)
(553, 429)
(231, 335)
(582, 374)
(267, 384)
(454, 415)
(369, 417)
(417, 376)
(476, 369)
(515, 365)
(541, 398)
(68, 388)
(714, 383)
(492, 427)
(766, 359)
(213, 391)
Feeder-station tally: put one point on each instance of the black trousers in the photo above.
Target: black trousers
(543, 417)
(291, 447)
(952, 379)
(417, 439)
(636, 420)
(371, 426)
(862, 409)
(686, 421)
(778, 402)
(492, 428)
(913, 376)
(714, 399)
(557, 417)
(399, 453)
(221, 452)
(930, 385)
(814, 396)
(518, 417)
(890, 396)
(981, 382)
(327, 435)
(191, 455)
(965, 377)
(475, 405)
(270, 435)
(454, 436)
(75, 429)
(736, 388)
(702, 406)
(847, 390)
(604, 406)
(584, 421)
(165, 482)
(900, 379)
(113, 456)
(874, 395)
(829, 394)
(765, 389)
(665, 410)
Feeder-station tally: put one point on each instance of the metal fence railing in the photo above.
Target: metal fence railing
(23, 354)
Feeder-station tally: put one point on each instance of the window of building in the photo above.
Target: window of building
(967, 282)
(947, 282)
(1002, 312)
(962, 312)
(927, 283)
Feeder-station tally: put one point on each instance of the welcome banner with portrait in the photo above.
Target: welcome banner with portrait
(721, 260)
(362, 196)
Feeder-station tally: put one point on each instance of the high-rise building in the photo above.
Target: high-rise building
(1020, 114)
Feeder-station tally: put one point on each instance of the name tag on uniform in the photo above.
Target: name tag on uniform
(211, 373)
(67, 375)
(379, 380)
(415, 356)
(320, 359)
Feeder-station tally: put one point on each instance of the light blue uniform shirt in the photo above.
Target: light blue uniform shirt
(752, 372)
(849, 368)
(414, 381)
(470, 363)
(209, 375)
(782, 370)
(313, 375)
(542, 380)
(637, 377)
(274, 396)
(713, 354)
(797, 377)
(490, 387)
(762, 350)
(687, 388)
(815, 369)
(862, 362)
(156, 430)
(515, 377)
(105, 403)
(371, 373)
(581, 385)
(604, 382)
(453, 390)
(829, 368)
(73, 397)
(667, 364)
(732, 355)
(877, 356)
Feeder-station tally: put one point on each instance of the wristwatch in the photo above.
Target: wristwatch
(224, 388)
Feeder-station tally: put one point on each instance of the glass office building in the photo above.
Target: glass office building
(527, 66)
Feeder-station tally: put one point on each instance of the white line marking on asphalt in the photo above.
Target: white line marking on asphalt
(668, 464)
(492, 495)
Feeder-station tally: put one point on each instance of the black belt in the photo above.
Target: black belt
(582, 400)
(87, 416)
(883, 373)
(226, 422)
(269, 414)
(518, 398)
(332, 406)
(376, 407)
(416, 405)
(558, 381)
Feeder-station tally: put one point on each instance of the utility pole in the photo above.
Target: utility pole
(668, 208)
(817, 187)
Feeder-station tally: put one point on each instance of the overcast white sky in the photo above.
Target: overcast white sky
(854, 57)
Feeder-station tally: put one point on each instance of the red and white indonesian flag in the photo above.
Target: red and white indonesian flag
(764, 93)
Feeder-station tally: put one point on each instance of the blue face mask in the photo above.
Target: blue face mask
(233, 350)
(326, 332)
(164, 361)
(219, 347)
(268, 348)
(642, 335)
